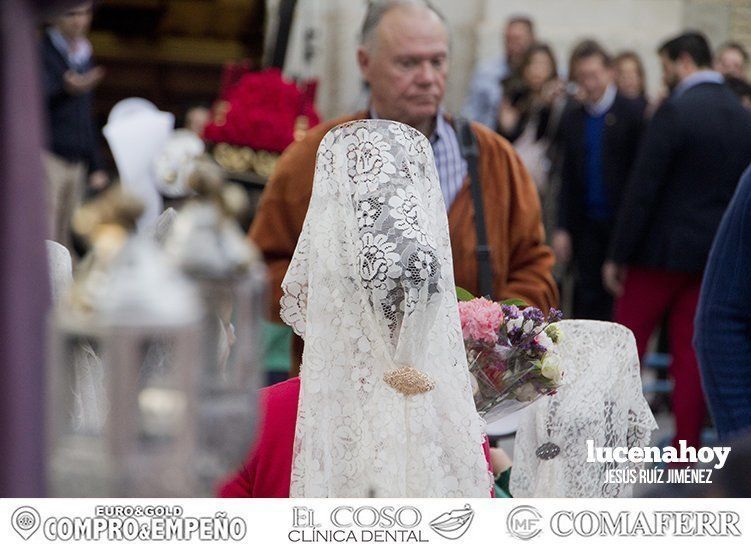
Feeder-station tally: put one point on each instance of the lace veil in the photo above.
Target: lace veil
(371, 290)
(602, 401)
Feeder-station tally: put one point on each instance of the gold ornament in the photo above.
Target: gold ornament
(409, 381)
(244, 159)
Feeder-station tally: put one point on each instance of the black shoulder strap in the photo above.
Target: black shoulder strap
(470, 152)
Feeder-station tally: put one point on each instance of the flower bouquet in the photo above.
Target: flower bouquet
(258, 115)
(510, 352)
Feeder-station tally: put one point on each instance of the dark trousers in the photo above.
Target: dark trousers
(591, 300)
(647, 295)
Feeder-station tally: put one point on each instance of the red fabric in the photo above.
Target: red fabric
(266, 471)
(231, 76)
(486, 451)
(647, 295)
(260, 111)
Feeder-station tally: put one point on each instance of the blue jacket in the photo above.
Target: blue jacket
(722, 336)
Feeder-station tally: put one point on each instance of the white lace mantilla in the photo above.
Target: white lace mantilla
(371, 289)
(601, 400)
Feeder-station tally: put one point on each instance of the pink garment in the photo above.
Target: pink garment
(266, 471)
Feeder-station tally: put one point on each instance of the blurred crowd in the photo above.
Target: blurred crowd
(633, 189)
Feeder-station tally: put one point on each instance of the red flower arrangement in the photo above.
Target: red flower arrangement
(260, 111)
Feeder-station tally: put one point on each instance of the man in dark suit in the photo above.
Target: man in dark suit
(692, 155)
(599, 139)
(70, 78)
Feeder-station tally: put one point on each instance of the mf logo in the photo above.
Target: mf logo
(524, 522)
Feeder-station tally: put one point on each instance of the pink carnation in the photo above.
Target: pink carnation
(481, 320)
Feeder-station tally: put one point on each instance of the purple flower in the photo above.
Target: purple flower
(534, 314)
(511, 312)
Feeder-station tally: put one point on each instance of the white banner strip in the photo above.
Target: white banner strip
(377, 520)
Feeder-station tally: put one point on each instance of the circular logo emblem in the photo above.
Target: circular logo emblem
(25, 521)
(524, 522)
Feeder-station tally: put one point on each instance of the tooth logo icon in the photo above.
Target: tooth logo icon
(452, 525)
(25, 521)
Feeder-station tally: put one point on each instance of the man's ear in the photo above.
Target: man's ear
(363, 61)
(686, 60)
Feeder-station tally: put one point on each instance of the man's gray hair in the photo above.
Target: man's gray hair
(378, 8)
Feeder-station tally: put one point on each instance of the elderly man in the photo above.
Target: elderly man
(403, 56)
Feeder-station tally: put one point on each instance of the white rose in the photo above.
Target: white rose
(515, 323)
(555, 333)
(544, 341)
(552, 371)
(528, 325)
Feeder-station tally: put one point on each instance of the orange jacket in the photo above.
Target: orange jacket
(521, 262)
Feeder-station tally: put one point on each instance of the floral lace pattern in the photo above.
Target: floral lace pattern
(602, 401)
(368, 212)
(371, 289)
(369, 163)
(409, 212)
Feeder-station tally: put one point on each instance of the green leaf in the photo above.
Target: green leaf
(463, 295)
(514, 302)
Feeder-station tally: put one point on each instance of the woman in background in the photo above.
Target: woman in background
(630, 78)
(528, 97)
(528, 117)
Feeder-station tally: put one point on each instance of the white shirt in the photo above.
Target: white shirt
(697, 78)
(604, 103)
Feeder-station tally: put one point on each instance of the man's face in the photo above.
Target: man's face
(730, 63)
(517, 39)
(406, 64)
(75, 22)
(593, 77)
(670, 72)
